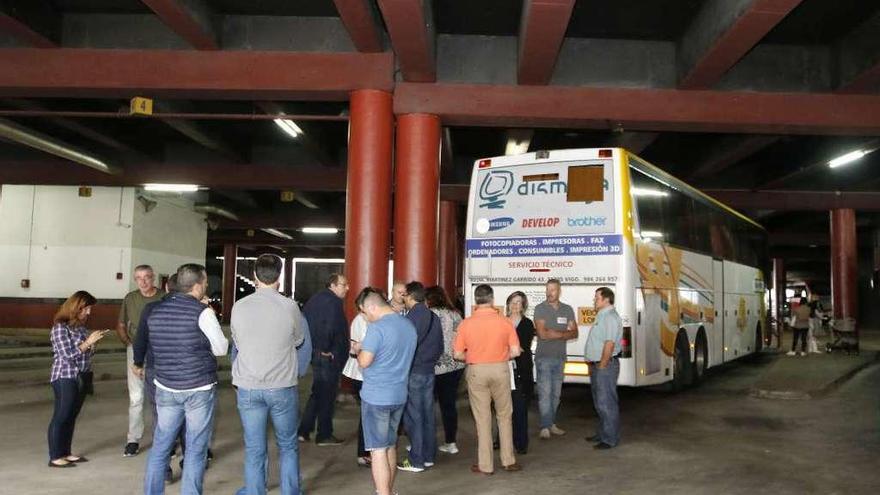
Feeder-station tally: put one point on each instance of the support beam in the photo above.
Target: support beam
(224, 174)
(447, 247)
(642, 109)
(722, 33)
(858, 56)
(190, 19)
(796, 200)
(239, 75)
(195, 131)
(542, 29)
(778, 298)
(361, 23)
(230, 261)
(32, 22)
(411, 28)
(844, 264)
(730, 151)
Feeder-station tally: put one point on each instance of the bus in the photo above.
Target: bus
(687, 271)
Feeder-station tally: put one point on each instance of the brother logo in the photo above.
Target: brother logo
(587, 222)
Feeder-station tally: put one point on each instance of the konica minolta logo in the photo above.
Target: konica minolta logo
(500, 223)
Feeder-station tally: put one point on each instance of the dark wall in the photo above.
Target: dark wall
(312, 277)
(869, 294)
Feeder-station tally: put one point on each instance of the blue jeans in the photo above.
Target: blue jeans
(603, 385)
(380, 425)
(549, 371)
(418, 419)
(69, 397)
(255, 408)
(322, 401)
(197, 409)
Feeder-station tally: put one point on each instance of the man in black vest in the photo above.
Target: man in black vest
(185, 337)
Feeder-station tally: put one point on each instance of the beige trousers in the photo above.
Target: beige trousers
(489, 383)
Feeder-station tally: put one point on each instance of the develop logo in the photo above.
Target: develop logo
(500, 223)
(587, 222)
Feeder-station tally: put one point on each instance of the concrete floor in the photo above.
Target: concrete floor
(714, 439)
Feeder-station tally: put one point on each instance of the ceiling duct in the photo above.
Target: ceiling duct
(217, 211)
(22, 135)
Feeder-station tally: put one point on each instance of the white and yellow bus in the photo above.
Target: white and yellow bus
(686, 270)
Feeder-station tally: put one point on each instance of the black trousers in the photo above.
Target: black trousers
(520, 420)
(800, 333)
(357, 385)
(446, 389)
(69, 397)
(322, 401)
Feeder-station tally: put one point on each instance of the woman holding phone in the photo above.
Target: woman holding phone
(73, 347)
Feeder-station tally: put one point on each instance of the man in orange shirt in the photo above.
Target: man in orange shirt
(486, 341)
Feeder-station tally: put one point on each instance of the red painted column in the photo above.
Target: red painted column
(778, 298)
(844, 262)
(230, 261)
(448, 247)
(416, 198)
(368, 197)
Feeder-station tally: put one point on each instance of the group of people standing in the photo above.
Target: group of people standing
(400, 353)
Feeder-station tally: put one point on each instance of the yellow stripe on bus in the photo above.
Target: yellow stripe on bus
(627, 197)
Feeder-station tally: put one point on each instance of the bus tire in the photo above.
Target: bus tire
(682, 374)
(701, 357)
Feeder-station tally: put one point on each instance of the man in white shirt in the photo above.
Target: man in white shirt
(186, 375)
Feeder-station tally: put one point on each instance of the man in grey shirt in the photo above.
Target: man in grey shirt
(266, 329)
(555, 324)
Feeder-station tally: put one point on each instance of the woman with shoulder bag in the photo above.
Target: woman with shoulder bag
(73, 347)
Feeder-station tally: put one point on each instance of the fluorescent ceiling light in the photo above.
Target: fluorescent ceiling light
(289, 127)
(171, 187)
(320, 230)
(640, 191)
(847, 158)
(650, 234)
(277, 233)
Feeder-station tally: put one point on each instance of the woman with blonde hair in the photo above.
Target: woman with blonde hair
(73, 347)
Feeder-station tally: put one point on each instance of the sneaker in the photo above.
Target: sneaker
(801, 354)
(448, 448)
(328, 442)
(429, 464)
(405, 465)
(790, 353)
(131, 449)
(365, 461)
(556, 430)
(545, 433)
(303, 438)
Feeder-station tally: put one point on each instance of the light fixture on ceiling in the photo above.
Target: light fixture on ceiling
(277, 233)
(289, 127)
(320, 230)
(171, 187)
(847, 158)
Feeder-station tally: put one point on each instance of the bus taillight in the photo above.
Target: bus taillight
(626, 350)
(605, 153)
(484, 163)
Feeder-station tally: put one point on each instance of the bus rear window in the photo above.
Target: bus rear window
(586, 183)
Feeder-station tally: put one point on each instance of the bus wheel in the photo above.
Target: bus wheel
(682, 374)
(701, 357)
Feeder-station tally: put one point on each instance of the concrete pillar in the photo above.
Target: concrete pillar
(448, 247)
(844, 262)
(368, 198)
(778, 298)
(288, 275)
(416, 198)
(230, 261)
